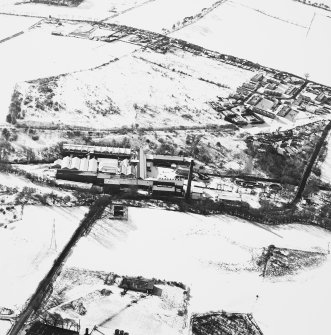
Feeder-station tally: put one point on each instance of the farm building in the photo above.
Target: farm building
(39, 328)
(140, 285)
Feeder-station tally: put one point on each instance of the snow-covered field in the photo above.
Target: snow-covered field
(19, 182)
(132, 90)
(161, 14)
(235, 28)
(214, 256)
(10, 25)
(38, 54)
(93, 10)
(27, 252)
(4, 327)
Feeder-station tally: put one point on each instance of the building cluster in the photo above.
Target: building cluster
(289, 142)
(273, 95)
(120, 169)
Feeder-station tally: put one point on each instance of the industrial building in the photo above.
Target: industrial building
(140, 285)
(39, 328)
(118, 169)
(97, 151)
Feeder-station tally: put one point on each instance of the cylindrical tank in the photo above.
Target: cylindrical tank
(66, 162)
(75, 163)
(93, 165)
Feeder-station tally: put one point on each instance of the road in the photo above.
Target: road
(45, 287)
(310, 164)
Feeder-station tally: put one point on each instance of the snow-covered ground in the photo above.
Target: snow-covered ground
(27, 252)
(235, 28)
(38, 54)
(93, 10)
(161, 14)
(132, 90)
(214, 256)
(108, 309)
(4, 327)
(19, 182)
(10, 25)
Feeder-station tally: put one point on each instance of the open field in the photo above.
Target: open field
(124, 93)
(44, 56)
(222, 273)
(282, 43)
(94, 10)
(162, 14)
(27, 251)
(10, 25)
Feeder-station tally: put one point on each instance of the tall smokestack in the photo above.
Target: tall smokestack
(189, 181)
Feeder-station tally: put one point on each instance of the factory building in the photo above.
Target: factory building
(97, 151)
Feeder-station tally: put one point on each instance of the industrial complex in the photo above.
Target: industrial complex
(117, 169)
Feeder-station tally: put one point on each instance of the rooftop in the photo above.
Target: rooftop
(39, 328)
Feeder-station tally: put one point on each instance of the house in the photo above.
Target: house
(39, 328)
(250, 86)
(140, 285)
(321, 97)
(258, 77)
(283, 110)
(254, 100)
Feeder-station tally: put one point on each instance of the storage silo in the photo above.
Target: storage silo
(75, 163)
(83, 164)
(66, 162)
(93, 165)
